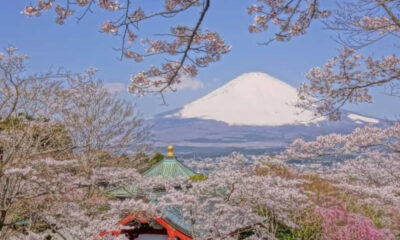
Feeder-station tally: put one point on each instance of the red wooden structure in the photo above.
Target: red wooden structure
(172, 232)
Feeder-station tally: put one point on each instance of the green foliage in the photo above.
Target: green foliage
(44, 134)
(97, 209)
(308, 227)
(245, 234)
(21, 222)
(140, 161)
(13, 122)
(302, 233)
(19, 219)
(156, 158)
(286, 235)
(143, 162)
(55, 136)
(9, 123)
(198, 177)
(310, 231)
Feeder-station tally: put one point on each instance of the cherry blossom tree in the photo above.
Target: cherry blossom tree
(186, 47)
(235, 199)
(372, 171)
(247, 196)
(348, 78)
(371, 174)
(291, 18)
(23, 93)
(50, 137)
(99, 122)
(58, 198)
(24, 132)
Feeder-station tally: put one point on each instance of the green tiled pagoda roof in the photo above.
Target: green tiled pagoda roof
(169, 167)
(173, 216)
(127, 191)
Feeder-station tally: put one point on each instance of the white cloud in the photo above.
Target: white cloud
(115, 87)
(189, 83)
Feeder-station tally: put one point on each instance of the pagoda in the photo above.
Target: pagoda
(171, 225)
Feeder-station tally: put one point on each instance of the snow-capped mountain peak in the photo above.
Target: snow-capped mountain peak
(255, 98)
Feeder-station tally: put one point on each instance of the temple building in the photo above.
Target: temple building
(171, 225)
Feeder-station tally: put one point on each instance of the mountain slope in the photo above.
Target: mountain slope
(254, 99)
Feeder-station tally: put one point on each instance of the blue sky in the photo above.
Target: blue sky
(79, 46)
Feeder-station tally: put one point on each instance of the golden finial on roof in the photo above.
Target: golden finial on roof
(170, 152)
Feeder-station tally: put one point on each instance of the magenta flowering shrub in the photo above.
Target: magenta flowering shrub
(339, 224)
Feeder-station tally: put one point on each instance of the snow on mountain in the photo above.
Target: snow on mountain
(360, 119)
(255, 99)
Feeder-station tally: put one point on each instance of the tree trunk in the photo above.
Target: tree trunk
(3, 215)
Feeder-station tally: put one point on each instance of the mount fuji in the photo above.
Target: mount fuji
(252, 99)
(254, 110)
